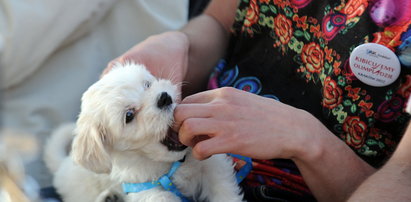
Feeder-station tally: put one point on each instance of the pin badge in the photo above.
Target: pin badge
(375, 64)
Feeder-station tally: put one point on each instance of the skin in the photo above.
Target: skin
(228, 120)
(393, 181)
(174, 55)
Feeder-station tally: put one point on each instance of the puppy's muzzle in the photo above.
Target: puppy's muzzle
(164, 100)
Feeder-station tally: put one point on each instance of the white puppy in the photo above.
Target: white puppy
(123, 131)
(73, 182)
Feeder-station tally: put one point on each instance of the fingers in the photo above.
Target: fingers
(201, 134)
(186, 111)
(224, 93)
(202, 97)
(195, 130)
(215, 145)
(205, 136)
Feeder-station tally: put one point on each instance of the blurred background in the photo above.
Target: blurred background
(51, 51)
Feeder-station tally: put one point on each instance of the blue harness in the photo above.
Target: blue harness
(165, 181)
(243, 172)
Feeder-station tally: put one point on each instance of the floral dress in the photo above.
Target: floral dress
(297, 52)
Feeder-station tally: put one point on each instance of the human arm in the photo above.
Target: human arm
(228, 120)
(208, 36)
(187, 55)
(393, 181)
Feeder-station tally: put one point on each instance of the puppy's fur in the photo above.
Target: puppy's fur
(119, 137)
(73, 182)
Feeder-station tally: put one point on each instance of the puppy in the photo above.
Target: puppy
(73, 182)
(123, 131)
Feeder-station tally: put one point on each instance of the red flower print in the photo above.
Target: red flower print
(354, 8)
(281, 3)
(331, 94)
(252, 15)
(316, 31)
(375, 133)
(405, 88)
(336, 67)
(328, 54)
(353, 92)
(265, 1)
(355, 129)
(283, 28)
(386, 37)
(300, 3)
(389, 110)
(347, 71)
(366, 107)
(313, 57)
(312, 20)
(301, 22)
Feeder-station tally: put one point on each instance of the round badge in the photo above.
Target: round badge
(375, 64)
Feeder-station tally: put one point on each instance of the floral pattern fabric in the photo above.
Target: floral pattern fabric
(297, 52)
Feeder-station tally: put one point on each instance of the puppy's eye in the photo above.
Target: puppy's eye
(147, 84)
(130, 115)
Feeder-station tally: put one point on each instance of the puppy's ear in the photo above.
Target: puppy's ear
(89, 147)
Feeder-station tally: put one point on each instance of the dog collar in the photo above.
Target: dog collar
(244, 170)
(164, 181)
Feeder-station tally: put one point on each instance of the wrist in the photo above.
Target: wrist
(312, 141)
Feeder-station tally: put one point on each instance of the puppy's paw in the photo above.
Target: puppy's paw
(110, 196)
(113, 198)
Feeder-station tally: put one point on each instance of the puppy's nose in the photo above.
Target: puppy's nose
(164, 100)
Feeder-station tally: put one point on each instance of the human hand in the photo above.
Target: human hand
(228, 120)
(164, 55)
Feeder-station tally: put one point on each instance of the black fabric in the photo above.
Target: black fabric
(265, 193)
(50, 193)
(252, 52)
(196, 7)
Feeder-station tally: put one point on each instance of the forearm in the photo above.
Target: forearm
(393, 181)
(208, 38)
(330, 168)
